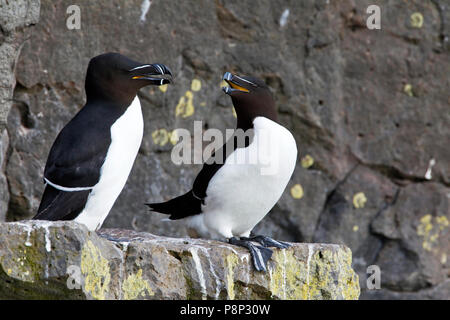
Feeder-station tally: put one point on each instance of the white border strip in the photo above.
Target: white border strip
(65, 188)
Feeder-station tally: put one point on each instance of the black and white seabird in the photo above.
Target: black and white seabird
(230, 197)
(93, 154)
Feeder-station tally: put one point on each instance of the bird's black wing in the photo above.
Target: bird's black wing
(208, 171)
(61, 205)
(190, 203)
(179, 207)
(74, 161)
(79, 151)
(216, 161)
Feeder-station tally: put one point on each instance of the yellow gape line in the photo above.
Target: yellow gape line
(235, 86)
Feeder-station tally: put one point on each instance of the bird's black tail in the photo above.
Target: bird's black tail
(179, 207)
(61, 205)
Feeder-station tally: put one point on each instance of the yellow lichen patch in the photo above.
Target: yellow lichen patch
(347, 280)
(424, 230)
(160, 137)
(307, 161)
(234, 112)
(185, 107)
(232, 261)
(24, 264)
(324, 275)
(355, 228)
(163, 88)
(196, 85)
(416, 20)
(135, 286)
(203, 104)
(408, 90)
(288, 277)
(425, 225)
(327, 282)
(173, 137)
(297, 191)
(442, 222)
(96, 271)
(444, 258)
(359, 200)
(321, 278)
(429, 232)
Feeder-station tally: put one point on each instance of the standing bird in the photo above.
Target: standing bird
(244, 179)
(92, 156)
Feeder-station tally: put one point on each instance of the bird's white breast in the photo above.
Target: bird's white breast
(242, 192)
(126, 138)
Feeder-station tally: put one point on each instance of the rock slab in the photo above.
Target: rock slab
(64, 260)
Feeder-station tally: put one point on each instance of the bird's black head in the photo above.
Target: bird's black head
(112, 76)
(251, 98)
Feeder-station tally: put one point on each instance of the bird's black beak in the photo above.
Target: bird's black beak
(155, 74)
(236, 84)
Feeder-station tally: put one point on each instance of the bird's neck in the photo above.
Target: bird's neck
(110, 97)
(245, 119)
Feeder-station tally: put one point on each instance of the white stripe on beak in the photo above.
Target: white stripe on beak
(246, 81)
(140, 67)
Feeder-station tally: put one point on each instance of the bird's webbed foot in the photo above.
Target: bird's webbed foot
(260, 255)
(268, 242)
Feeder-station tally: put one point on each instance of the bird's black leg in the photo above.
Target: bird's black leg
(268, 242)
(260, 255)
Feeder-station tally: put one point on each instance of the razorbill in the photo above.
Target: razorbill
(93, 154)
(243, 180)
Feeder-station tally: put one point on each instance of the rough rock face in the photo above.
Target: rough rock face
(15, 16)
(48, 260)
(368, 109)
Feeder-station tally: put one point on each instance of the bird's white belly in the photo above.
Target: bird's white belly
(126, 138)
(240, 195)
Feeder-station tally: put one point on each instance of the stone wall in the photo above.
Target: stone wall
(369, 110)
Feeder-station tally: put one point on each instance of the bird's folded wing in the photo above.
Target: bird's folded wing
(214, 163)
(76, 158)
(202, 180)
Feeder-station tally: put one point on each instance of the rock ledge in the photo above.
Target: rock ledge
(63, 260)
